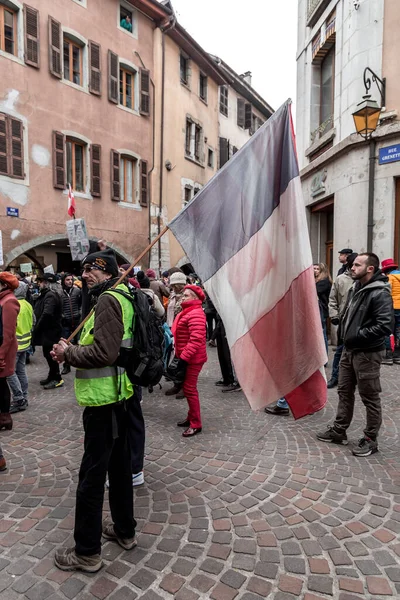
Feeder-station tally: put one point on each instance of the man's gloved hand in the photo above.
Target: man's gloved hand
(176, 370)
(335, 321)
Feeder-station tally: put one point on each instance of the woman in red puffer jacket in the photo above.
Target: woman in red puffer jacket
(189, 331)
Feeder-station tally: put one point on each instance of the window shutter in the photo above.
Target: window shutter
(240, 112)
(223, 151)
(144, 183)
(17, 148)
(58, 160)
(32, 32)
(115, 185)
(94, 68)
(95, 170)
(144, 92)
(3, 145)
(55, 47)
(113, 77)
(248, 116)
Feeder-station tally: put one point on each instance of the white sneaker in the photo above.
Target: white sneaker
(138, 479)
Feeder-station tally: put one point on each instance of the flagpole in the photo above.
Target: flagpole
(123, 275)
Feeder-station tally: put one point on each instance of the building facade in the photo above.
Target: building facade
(76, 108)
(351, 191)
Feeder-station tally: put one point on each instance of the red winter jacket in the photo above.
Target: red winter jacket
(189, 331)
(8, 350)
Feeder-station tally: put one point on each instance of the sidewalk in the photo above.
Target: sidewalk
(253, 507)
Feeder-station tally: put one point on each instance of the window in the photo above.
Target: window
(127, 88)
(126, 19)
(8, 30)
(76, 165)
(189, 191)
(11, 147)
(223, 100)
(193, 140)
(244, 114)
(327, 90)
(210, 158)
(203, 87)
(127, 176)
(184, 69)
(188, 194)
(73, 70)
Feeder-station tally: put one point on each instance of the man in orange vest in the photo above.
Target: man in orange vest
(391, 269)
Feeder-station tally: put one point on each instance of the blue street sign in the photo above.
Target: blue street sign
(389, 154)
(12, 212)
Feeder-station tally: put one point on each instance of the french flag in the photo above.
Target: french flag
(71, 202)
(246, 235)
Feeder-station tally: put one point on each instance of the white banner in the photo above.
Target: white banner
(49, 269)
(78, 238)
(25, 267)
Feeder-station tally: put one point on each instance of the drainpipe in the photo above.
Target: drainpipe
(371, 193)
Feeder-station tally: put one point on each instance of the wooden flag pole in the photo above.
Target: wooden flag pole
(123, 275)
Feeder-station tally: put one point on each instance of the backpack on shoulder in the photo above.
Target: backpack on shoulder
(143, 362)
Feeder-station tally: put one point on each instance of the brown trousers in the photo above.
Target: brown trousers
(360, 369)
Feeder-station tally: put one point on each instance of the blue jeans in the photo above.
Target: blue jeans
(18, 382)
(336, 361)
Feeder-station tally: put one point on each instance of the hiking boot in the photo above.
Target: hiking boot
(332, 383)
(45, 381)
(388, 358)
(67, 559)
(365, 447)
(18, 406)
(3, 465)
(53, 384)
(66, 369)
(332, 436)
(109, 534)
(274, 409)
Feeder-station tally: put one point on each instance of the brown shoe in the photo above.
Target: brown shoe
(109, 534)
(67, 559)
(6, 421)
(191, 431)
(3, 464)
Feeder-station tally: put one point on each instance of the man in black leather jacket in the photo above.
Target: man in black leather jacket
(366, 320)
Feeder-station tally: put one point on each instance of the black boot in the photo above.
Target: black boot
(332, 383)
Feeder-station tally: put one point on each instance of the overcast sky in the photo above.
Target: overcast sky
(251, 35)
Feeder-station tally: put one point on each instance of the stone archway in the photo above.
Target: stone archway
(46, 239)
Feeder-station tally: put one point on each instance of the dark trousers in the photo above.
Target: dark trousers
(210, 318)
(224, 355)
(360, 369)
(54, 369)
(136, 432)
(106, 449)
(336, 362)
(5, 396)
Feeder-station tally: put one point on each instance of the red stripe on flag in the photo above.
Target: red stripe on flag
(283, 349)
(309, 397)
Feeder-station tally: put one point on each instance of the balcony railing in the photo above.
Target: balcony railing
(314, 10)
(312, 5)
(323, 128)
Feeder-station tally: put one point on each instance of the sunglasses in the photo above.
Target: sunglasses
(88, 268)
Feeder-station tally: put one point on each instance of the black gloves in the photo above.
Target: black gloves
(176, 370)
(335, 321)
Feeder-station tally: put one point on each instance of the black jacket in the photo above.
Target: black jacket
(71, 306)
(47, 330)
(323, 291)
(368, 315)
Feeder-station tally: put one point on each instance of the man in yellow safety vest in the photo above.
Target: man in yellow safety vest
(107, 395)
(18, 381)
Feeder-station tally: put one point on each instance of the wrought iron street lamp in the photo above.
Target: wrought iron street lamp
(368, 111)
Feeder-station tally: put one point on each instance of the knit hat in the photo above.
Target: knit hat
(105, 260)
(21, 290)
(350, 259)
(387, 264)
(165, 274)
(177, 278)
(9, 279)
(197, 290)
(144, 281)
(151, 273)
(49, 277)
(346, 251)
(131, 272)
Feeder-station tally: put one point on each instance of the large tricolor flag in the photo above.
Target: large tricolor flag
(71, 202)
(246, 235)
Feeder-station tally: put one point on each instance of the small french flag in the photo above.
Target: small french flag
(71, 202)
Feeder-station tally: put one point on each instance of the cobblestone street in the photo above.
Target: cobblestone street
(253, 507)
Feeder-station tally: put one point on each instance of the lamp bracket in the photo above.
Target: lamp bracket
(369, 75)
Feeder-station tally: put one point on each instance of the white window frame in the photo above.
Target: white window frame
(192, 156)
(134, 12)
(127, 64)
(18, 8)
(189, 184)
(134, 156)
(87, 142)
(213, 157)
(11, 181)
(76, 37)
(189, 69)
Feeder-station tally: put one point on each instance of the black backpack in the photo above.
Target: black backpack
(143, 362)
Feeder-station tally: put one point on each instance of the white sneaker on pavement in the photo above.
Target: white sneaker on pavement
(137, 479)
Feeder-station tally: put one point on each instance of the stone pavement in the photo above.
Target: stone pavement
(253, 507)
